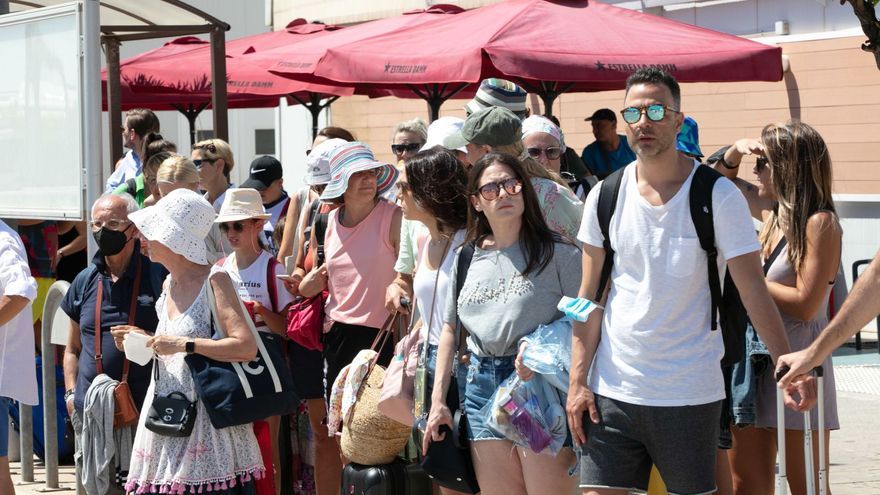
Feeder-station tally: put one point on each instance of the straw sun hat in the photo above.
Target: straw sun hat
(350, 159)
(241, 204)
(180, 221)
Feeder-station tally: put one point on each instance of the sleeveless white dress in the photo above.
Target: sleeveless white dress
(209, 460)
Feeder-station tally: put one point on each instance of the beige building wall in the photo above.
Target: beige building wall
(832, 85)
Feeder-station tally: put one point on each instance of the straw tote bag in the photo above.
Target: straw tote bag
(368, 436)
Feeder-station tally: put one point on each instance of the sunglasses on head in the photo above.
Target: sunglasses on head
(491, 190)
(236, 226)
(655, 113)
(552, 153)
(400, 149)
(210, 147)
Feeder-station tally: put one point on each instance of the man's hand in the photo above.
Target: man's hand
(69, 405)
(120, 331)
(580, 400)
(797, 365)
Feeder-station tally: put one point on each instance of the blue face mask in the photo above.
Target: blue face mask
(577, 309)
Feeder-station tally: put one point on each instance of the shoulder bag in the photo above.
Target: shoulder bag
(240, 393)
(305, 318)
(172, 415)
(125, 411)
(448, 462)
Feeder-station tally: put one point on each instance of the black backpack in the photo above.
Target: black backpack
(726, 303)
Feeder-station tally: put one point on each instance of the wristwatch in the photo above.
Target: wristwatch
(68, 394)
(190, 346)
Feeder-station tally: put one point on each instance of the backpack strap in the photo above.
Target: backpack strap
(465, 256)
(270, 282)
(608, 193)
(701, 214)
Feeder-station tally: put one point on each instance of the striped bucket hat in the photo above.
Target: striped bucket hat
(496, 92)
(350, 159)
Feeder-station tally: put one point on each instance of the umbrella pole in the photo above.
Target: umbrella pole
(191, 113)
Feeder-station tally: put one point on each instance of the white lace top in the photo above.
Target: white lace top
(207, 460)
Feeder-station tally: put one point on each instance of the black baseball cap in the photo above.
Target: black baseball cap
(602, 114)
(264, 171)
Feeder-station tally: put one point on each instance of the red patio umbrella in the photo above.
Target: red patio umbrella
(299, 61)
(178, 75)
(549, 47)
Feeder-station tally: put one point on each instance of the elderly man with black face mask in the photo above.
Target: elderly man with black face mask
(116, 292)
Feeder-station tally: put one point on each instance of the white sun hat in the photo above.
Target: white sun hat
(241, 204)
(180, 221)
(318, 162)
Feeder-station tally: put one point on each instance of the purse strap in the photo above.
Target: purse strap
(261, 348)
(423, 355)
(99, 358)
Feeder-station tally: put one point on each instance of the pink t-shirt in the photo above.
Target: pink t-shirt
(360, 266)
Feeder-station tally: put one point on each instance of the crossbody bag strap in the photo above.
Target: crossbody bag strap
(423, 355)
(775, 254)
(261, 348)
(99, 357)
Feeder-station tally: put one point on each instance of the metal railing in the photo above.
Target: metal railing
(50, 417)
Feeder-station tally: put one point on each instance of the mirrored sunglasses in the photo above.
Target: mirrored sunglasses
(552, 153)
(492, 190)
(655, 113)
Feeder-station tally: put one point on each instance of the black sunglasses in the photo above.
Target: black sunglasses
(655, 113)
(199, 163)
(552, 153)
(760, 163)
(490, 191)
(400, 149)
(236, 226)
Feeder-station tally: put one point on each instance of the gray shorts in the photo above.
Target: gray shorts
(680, 441)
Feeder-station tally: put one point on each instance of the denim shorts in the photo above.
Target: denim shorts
(484, 375)
(4, 426)
(430, 366)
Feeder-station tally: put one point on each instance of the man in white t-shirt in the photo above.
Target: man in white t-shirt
(655, 389)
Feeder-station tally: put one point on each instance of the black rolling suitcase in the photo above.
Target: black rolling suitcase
(781, 475)
(396, 478)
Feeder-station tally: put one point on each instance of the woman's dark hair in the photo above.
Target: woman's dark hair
(154, 144)
(535, 237)
(331, 132)
(439, 185)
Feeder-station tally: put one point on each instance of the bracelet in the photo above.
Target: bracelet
(727, 165)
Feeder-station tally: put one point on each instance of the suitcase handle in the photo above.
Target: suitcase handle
(818, 370)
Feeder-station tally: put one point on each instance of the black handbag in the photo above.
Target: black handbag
(171, 415)
(241, 393)
(448, 462)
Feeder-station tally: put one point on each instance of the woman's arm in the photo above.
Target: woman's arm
(820, 266)
(440, 413)
(759, 207)
(239, 343)
(291, 223)
(394, 235)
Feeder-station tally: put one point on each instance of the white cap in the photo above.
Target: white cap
(441, 129)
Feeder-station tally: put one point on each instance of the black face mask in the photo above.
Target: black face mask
(111, 242)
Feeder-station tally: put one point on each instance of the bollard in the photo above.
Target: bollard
(50, 407)
(26, 440)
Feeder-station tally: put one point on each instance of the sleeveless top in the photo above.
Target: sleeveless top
(360, 266)
(801, 333)
(209, 460)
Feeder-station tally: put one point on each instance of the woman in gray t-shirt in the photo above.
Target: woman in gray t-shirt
(519, 271)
